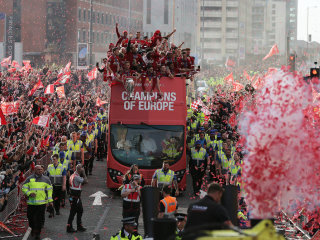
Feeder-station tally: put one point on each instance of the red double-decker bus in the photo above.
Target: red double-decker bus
(146, 131)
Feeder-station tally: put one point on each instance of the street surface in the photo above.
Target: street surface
(55, 228)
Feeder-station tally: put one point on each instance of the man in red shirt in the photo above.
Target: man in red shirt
(152, 77)
(128, 77)
(114, 61)
(191, 58)
(121, 38)
(184, 63)
(157, 37)
(132, 54)
(165, 72)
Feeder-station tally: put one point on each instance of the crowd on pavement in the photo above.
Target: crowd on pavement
(76, 135)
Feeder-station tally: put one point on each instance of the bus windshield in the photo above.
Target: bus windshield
(146, 145)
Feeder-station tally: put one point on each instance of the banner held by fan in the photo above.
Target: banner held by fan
(60, 92)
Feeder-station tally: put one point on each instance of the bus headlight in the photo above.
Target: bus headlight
(114, 174)
(179, 175)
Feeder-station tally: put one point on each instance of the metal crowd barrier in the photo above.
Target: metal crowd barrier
(15, 197)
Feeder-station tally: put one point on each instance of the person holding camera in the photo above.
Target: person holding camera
(131, 198)
(76, 180)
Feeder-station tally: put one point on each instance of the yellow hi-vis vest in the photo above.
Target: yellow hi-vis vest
(55, 174)
(164, 179)
(189, 113)
(224, 160)
(41, 186)
(198, 156)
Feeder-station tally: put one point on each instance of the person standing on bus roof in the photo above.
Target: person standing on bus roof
(165, 177)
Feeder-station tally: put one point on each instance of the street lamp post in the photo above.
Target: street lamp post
(129, 16)
(90, 34)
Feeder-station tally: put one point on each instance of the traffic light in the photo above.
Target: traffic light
(292, 62)
(314, 72)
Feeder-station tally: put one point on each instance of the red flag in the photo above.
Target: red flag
(2, 118)
(315, 94)
(49, 89)
(15, 65)
(42, 121)
(9, 108)
(6, 62)
(92, 74)
(27, 65)
(257, 83)
(274, 50)
(195, 104)
(36, 87)
(246, 75)
(237, 86)
(11, 70)
(63, 79)
(65, 70)
(230, 63)
(60, 92)
(229, 78)
(100, 103)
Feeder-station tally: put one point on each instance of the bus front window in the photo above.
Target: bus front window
(147, 146)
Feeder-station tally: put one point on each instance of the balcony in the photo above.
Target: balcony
(211, 34)
(211, 3)
(232, 4)
(232, 46)
(232, 25)
(212, 45)
(212, 14)
(232, 14)
(232, 35)
(212, 24)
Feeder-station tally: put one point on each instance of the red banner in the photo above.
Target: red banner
(9, 108)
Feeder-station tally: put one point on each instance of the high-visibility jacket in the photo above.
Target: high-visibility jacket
(170, 206)
(91, 136)
(191, 143)
(211, 142)
(102, 128)
(56, 149)
(194, 125)
(41, 186)
(171, 151)
(224, 160)
(55, 174)
(132, 197)
(198, 156)
(234, 168)
(201, 117)
(189, 113)
(219, 144)
(178, 235)
(122, 236)
(65, 164)
(75, 147)
(164, 179)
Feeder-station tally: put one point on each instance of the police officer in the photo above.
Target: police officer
(128, 231)
(75, 146)
(208, 210)
(189, 112)
(168, 205)
(100, 138)
(38, 190)
(181, 222)
(165, 177)
(94, 145)
(57, 174)
(76, 180)
(198, 164)
(87, 149)
(200, 115)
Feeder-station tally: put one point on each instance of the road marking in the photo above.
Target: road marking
(26, 235)
(96, 234)
(97, 198)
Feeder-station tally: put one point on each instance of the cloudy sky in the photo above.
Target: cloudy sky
(314, 19)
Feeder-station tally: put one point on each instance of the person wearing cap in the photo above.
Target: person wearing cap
(181, 222)
(99, 138)
(128, 231)
(199, 163)
(131, 198)
(38, 190)
(189, 112)
(201, 136)
(208, 210)
(165, 177)
(168, 205)
(76, 180)
(57, 174)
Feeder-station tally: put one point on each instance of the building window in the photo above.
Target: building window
(78, 35)
(84, 34)
(89, 16)
(93, 17)
(102, 38)
(148, 11)
(98, 17)
(166, 11)
(79, 14)
(84, 15)
(102, 18)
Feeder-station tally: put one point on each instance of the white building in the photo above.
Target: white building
(166, 15)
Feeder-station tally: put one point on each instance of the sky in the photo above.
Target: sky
(314, 19)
